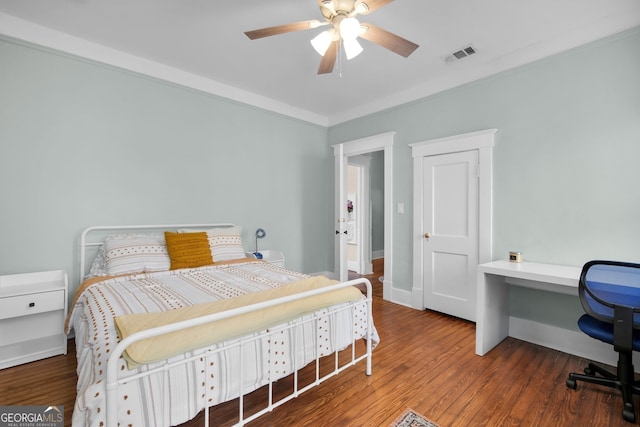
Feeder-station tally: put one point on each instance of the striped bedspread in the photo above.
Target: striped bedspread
(141, 403)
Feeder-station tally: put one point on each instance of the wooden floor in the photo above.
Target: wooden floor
(425, 361)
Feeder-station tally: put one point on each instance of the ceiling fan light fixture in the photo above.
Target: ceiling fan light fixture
(322, 41)
(351, 48)
(349, 28)
(343, 33)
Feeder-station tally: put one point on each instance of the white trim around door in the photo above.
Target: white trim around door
(380, 142)
(483, 142)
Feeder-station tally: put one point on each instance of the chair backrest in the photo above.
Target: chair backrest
(606, 284)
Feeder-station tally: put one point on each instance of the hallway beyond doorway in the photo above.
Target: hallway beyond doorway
(374, 278)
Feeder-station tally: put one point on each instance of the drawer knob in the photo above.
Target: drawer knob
(32, 304)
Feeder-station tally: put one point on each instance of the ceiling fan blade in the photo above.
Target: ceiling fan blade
(388, 40)
(372, 5)
(287, 28)
(329, 59)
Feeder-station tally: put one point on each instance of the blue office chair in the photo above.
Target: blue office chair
(610, 294)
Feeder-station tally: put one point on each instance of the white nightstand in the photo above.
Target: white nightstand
(33, 308)
(273, 257)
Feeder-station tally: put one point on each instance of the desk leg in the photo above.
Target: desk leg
(492, 323)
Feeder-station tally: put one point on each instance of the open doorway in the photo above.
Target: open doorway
(378, 147)
(365, 214)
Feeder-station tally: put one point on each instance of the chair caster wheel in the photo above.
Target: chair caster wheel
(571, 383)
(628, 413)
(589, 371)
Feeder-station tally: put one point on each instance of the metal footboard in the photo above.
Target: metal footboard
(115, 377)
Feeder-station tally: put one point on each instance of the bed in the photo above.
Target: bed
(171, 320)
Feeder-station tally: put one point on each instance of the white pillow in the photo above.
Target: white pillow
(226, 243)
(136, 254)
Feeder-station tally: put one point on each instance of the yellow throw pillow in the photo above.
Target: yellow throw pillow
(188, 250)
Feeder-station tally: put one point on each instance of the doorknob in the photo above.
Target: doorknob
(427, 235)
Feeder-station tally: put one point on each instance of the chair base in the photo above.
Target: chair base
(595, 374)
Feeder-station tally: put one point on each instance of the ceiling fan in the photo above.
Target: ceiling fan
(345, 27)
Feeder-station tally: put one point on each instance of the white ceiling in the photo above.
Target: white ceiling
(201, 44)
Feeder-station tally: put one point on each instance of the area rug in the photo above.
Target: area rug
(410, 418)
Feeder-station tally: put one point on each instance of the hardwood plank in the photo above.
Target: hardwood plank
(542, 363)
(378, 266)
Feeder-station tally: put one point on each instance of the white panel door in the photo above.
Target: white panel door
(450, 238)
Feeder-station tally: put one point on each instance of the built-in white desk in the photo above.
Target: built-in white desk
(494, 278)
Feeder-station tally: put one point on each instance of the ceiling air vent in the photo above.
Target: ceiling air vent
(462, 53)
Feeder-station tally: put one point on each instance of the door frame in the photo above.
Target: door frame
(380, 142)
(482, 141)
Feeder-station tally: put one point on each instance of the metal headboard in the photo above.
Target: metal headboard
(92, 237)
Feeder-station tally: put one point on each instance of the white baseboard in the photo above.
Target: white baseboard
(400, 296)
(572, 342)
(377, 254)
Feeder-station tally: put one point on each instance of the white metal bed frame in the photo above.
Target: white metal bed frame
(113, 379)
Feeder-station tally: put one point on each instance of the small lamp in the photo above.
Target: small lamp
(260, 233)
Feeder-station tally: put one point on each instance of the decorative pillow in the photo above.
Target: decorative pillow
(188, 250)
(99, 264)
(135, 254)
(226, 243)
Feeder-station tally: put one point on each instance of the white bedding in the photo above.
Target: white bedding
(140, 403)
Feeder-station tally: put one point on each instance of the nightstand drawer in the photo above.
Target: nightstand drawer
(23, 305)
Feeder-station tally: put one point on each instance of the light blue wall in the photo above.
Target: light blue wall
(566, 160)
(86, 144)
